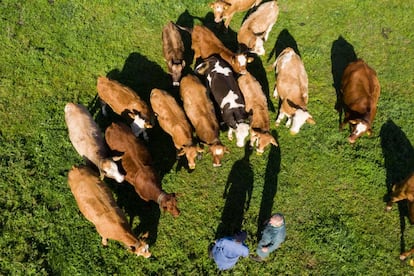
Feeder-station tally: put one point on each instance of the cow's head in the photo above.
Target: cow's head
(191, 153)
(176, 68)
(168, 203)
(242, 131)
(217, 150)
(358, 128)
(300, 117)
(239, 62)
(261, 140)
(141, 248)
(109, 169)
(219, 6)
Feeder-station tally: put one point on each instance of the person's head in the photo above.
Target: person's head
(276, 220)
(240, 236)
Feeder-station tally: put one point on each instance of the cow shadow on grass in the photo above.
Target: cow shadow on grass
(342, 53)
(269, 188)
(398, 155)
(237, 192)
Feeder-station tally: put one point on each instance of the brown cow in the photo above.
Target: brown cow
(173, 49)
(137, 163)
(360, 90)
(401, 191)
(200, 111)
(255, 30)
(124, 101)
(206, 44)
(225, 9)
(172, 120)
(292, 88)
(87, 139)
(97, 204)
(256, 105)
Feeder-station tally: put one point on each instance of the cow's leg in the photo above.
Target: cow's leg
(406, 254)
(230, 134)
(227, 22)
(289, 121)
(275, 93)
(104, 241)
(280, 117)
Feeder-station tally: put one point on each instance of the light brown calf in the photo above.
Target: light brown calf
(401, 191)
(292, 88)
(172, 120)
(255, 30)
(225, 9)
(256, 105)
(87, 139)
(125, 102)
(206, 44)
(360, 90)
(200, 111)
(96, 203)
(173, 49)
(137, 163)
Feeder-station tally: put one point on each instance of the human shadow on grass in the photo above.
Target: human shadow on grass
(269, 188)
(342, 53)
(398, 155)
(237, 193)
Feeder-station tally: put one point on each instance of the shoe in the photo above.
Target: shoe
(256, 258)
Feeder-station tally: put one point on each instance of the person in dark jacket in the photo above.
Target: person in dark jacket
(226, 251)
(273, 235)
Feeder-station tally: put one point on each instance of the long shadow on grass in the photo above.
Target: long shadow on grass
(238, 192)
(342, 53)
(270, 188)
(399, 162)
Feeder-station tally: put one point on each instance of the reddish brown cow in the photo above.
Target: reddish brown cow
(256, 105)
(124, 101)
(97, 204)
(137, 163)
(255, 30)
(292, 88)
(173, 121)
(88, 141)
(173, 49)
(225, 9)
(200, 111)
(404, 190)
(360, 90)
(206, 44)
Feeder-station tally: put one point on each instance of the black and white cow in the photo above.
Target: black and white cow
(226, 92)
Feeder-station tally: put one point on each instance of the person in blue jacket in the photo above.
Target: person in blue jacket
(273, 235)
(226, 251)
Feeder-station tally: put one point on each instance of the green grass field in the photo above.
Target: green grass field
(332, 193)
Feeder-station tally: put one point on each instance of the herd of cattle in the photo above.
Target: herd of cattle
(220, 79)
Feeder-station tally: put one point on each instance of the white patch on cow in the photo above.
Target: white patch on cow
(258, 47)
(113, 172)
(138, 127)
(360, 128)
(242, 60)
(218, 151)
(209, 80)
(286, 59)
(299, 119)
(242, 131)
(230, 99)
(221, 70)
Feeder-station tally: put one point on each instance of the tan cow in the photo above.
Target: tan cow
(173, 49)
(87, 139)
(125, 102)
(200, 111)
(256, 105)
(137, 163)
(292, 88)
(172, 120)
(206, 44)
(97, 204)
(225, 9)
(360, 90)
(255, 30)
(404, 190)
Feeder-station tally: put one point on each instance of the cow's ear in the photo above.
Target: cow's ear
(200, 150)
(181, 152)
(353, 122)
(250, 59)
(117, 158)
(369, 132)
(201, 68)
(183, 63)
(311, 121)
(226, 150)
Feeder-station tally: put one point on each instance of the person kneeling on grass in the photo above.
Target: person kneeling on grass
(273, 235)
(226, 251)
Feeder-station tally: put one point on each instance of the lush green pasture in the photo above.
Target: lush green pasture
(332, 193)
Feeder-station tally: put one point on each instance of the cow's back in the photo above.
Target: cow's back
(84, 133)
(258, 21)
(173, 46)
